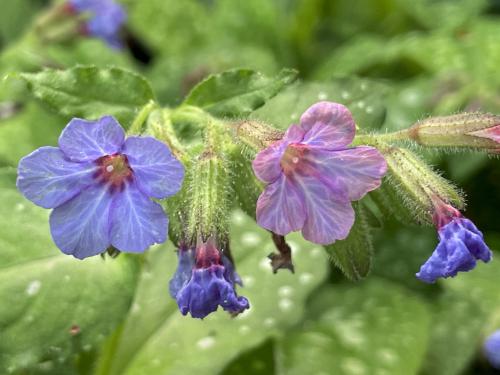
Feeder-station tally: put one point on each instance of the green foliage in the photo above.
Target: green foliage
(157, 339)
(452, 343)
(391, 62)
(26, 130)
(374, 328)
(237, 93)
(363, 97)
(91, 296)
(90, 92)
(354, 254)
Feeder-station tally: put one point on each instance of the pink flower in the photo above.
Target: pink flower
(313, 176)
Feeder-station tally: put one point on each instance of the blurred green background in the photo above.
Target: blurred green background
(392, 62)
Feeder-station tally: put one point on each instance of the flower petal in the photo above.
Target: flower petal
(48, 179)
(491, 349)
(183, 272)
(280, 207)
(450, 257)
(83, 140)
(266, 164)
(356, 170)
(328, 125)
(206, 290)
(81, 226)
(473, 239)
(158, 173)
(328, 218)
(136, 221)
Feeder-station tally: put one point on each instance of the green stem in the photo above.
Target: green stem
(374, 139)
(161, 127)
(136, 127)
(189, 114)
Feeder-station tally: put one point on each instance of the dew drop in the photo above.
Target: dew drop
(155, 362)
(305, 278)
(250, 239)
(265, 264)
(248, 281)
(353, 366)
(238, 218)
(322, 95)
(206, 343)
(316, 252)
(285, 291)
(136, 308)
(269, 322)
(387, 356)
(33, 287)
(244, 329)
(345, 95)
(19, 207)
(285, 304)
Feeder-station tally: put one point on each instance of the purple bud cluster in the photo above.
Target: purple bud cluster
(204, 280)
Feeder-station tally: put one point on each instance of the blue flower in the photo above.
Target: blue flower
(107, 18)
(491, 349)
(210, 284)
(461, 244)
(99, 185)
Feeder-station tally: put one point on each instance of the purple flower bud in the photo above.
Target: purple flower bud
(99, 185)
(183, 271)
(460, 245)
(491, 349)
(313, 176)
(107, 18)
(211, 283)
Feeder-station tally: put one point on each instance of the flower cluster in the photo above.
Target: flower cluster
(205, 279)
(312, 176)
(99, 185)
(461, 244)
(106, 19)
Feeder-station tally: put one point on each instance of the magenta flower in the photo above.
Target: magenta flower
(106, 20)
(313, 176)
(461, 244)
(99, 185)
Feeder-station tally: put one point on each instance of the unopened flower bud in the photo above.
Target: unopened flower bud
(461, 244)
(491, 349)
(466, 130)
(256, 135)
(415, 183)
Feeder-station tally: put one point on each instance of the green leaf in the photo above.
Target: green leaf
(375, 328)
(401, 251)
(456, 333)
(237, 92)
(258, 361)
(157, 339)
(354, 254)
(45, 294)
(91, 92)
(364, 98)
(27, 130)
